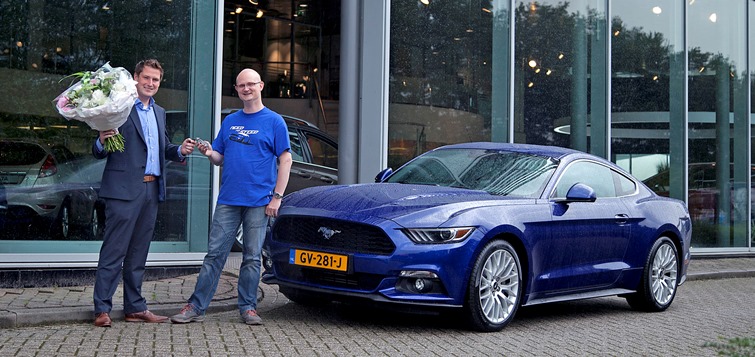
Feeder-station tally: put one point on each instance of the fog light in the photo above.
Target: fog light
(419, 282)
(423, 285)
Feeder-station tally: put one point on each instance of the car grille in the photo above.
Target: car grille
(347, 237)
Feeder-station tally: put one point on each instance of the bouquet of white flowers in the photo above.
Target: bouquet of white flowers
(102, 99)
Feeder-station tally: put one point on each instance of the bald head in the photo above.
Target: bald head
(248, 75)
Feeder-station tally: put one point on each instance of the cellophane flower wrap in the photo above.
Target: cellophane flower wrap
(102, 99)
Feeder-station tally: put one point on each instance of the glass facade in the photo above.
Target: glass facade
(49, 181)
(49, 177)
(660, 88)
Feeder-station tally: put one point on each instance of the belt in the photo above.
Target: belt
(150, 178)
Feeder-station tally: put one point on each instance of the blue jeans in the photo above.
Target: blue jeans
(225, 223)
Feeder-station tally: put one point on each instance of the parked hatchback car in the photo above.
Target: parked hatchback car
(34, 177)
(483, 228)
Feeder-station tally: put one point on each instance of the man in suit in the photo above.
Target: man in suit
(132, 184)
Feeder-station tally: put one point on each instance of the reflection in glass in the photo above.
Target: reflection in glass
(49, 180)
(718, 126)
(560, 71)
(440, 75)
(647, 94)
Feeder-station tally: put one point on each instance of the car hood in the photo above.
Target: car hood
(398, 202)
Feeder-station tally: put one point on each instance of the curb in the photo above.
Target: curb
(724, 274)
(268, 299)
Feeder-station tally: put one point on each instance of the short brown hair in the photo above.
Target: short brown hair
(149, 63)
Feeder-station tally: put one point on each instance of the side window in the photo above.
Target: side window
(624, 186)
(323, 153)
(297, 154)
(597, 176)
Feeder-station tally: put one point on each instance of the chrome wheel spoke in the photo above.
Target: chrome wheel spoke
(499, 283)
(663, 277)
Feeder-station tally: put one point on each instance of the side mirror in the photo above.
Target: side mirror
(580, 192)
(383, 175)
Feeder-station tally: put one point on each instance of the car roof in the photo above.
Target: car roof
(555, 152)
(289, 119)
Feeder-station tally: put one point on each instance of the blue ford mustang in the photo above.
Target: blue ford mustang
(484, 228)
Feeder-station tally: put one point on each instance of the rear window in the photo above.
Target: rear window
(14, 153)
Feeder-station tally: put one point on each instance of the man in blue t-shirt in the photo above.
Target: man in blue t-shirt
(253, 148)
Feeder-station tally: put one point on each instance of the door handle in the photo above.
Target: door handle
(302, 173)
(621, 218)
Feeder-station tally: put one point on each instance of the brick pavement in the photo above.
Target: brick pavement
(47, 305)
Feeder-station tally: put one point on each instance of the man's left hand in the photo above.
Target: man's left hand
(272, 207)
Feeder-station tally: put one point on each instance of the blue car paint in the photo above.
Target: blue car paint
(531, 223)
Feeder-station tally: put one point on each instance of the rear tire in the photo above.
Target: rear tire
(62, 227)
(495, 288)
(96, 224)
(659, 278)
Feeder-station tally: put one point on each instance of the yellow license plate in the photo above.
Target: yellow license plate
(321, 260)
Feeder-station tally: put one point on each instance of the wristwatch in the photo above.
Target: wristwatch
(277, 195)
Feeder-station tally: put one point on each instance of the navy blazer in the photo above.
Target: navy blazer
(123, 177)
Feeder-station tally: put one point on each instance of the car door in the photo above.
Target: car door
(587, 240)
(323, 154)
(315, 159)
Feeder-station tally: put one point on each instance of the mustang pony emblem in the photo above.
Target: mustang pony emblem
(327, 232)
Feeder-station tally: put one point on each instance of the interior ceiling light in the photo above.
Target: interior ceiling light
(532, 63)
(657, 10)
(259, 13)
(560, 56)
(425, 2)
(254, 2)
(239, 10)
(487, 10)
(616, 33)
(713, 17)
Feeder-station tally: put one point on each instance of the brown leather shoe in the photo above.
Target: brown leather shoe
(145, 316)
(102, 320)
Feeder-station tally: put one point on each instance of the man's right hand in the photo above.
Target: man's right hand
(107, 134)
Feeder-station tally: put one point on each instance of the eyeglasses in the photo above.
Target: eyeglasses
(247, 85)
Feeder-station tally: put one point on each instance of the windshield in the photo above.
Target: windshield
(497, 172)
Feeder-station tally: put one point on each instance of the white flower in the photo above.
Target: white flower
(98, 98)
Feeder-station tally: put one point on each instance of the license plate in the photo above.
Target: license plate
(321, 260)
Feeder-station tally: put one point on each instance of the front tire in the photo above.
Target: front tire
(495, 288)
(659, 278)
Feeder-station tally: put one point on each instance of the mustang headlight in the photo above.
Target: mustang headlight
(438, 235)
